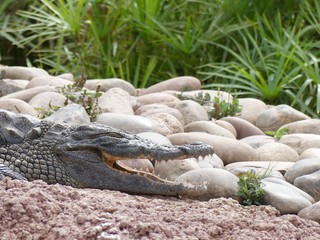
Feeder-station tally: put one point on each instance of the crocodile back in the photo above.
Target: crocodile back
(14, 127)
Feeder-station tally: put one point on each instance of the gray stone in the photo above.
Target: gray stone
(228, 149)
(67, 76)
(310, 183)
(251, 108)
(72, 114)
(165, 123)
(302, 167)
(46, 80)
(108, 83)
(192, 111)
(301, 141)
(172, 169)
(17, 106)
(23, 73)
(184, 83)
(215, 181)
(285, 197)
(260, 171)
(226, 125)
(275, 117)
(208, 127)
(27, 94)
(43, 101)
(277, 152)
(310, 153)
(282, 167)
(243, 127)
(311, 213)
(155, 137)
(116, 100)
(8, 86)
(258, 141)
(150, 109)
(304, 126)
(131, 123)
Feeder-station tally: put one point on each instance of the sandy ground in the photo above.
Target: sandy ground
(40, 211)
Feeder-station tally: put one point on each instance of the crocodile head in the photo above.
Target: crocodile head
(90, 155)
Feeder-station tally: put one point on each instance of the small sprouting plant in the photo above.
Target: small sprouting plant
(222, 108)
(75, 93)
(279, 133)
(46, 112)
(250, 188)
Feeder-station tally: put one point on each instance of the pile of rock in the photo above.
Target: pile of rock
(158, 114)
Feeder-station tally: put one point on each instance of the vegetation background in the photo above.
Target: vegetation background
(267, 49)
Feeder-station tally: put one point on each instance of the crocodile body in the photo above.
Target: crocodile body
(85, 156)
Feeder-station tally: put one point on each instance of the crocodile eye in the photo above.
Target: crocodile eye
(114, 134)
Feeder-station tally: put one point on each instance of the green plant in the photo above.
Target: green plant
(250, 189)
(89, 100)
(44, 112)
(279, 133)
(222, 108)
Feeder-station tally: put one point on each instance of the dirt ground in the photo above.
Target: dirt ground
(40, 211)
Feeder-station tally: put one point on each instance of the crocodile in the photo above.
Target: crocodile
(86, 156)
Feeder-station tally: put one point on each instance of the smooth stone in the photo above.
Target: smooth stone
(281, 167)
(192, 111)
(208, 127)
(258, 141)
(131, 123)
(226, 125)
(304, 126)
(116, 100)
(184, 83)
(155, 137)
(23, 73)
(210, 161)
(8, 86)
(43, 101)
(150, 109)
(302, 167)
(311, 213)
(285, 197)
(243, 127)
(301, 141)
(251, 108)
(228, 149)
(17, 106)
(260, 171)
(143, 165)
(27, 94)
(172, 169)
(66, 76)
(219, 183)
(310, 183)
(277, 152)
(310, 153)
(212, 93)
(165, 123)
(108, 83)
(275, 117)
(152, 98)
(45, 80)
(71, 114)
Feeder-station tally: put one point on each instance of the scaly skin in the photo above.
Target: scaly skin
(85, 156)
